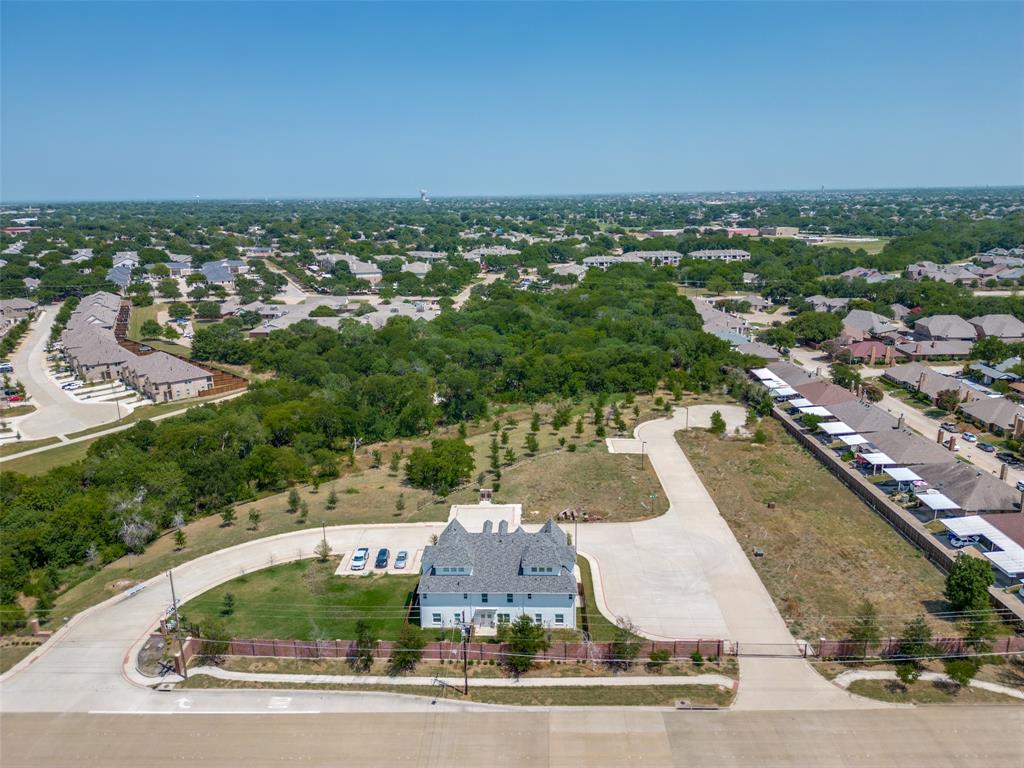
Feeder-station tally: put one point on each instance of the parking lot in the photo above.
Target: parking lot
(412, 565)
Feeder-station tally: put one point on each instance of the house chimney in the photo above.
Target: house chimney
(502, 527)
(952, 442)
(938, 439)
(1003, 470)
(1018, 425)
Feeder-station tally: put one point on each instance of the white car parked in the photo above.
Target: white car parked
(360, 558)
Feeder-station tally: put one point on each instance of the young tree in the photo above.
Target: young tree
(323, 551)
(408, 651)
(961, 671)
(375, 458)
(532, 444)
(395, 462)
(400, 502)
(865, 630)
(525, 639)
(254, 519)
(228, 516)
(967, 583)
(180, 540)
(625, 645)
(303, 511)
(332, 499)
(510, 457)
(717, 423)
(294, 500)
(366, 644)
(535, 422)
(227, 606)
(579, 425)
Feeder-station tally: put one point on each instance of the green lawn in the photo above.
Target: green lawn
(44, 461)
(304, 600)
(923, 692)
(589, 617)
(871, 248)
(11, 654)
(9, 449)
(546, 696)
(139, 315)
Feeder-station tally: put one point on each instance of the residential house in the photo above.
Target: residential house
(792, 374)
(821, 303)
(868, 322)
(121, 275)
(163, 377)
(899, 311)
(432, 257)
(1003, 371)
(1005, 327)
(16, 308)
(760, 349)
(824, 392)
(928, 270)
(869, 352)
(908, 448)
(863, 416)
(479, 255)
(490, 578)
(945, 328)
(417, 310)
(974, 491)
(571, 268)
(179, 268)
(127, 258)
(997, 415)
(935, 350)
(418, 268)
(720, 254)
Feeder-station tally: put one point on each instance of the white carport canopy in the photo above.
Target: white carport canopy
(876, 459)
(800, 402)
(835, 428)
(854, 439)
(776, 384)
(815, 410)
(763, 374)
(902, 474)
(1010, 555)
(936, 501)
(784, 392)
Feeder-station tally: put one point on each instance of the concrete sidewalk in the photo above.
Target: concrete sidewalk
(495, 682)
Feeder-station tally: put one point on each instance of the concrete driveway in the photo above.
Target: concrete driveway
(57, 412)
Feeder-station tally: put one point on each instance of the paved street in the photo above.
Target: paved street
(927, 737)
(57, 412)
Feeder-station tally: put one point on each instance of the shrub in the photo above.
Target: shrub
(658, 659)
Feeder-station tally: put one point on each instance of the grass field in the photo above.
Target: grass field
(871, 248)
(38, 463)
(923, 692)
(305, 601)
(139, 315)
(12, 653)
(589, 617)
(825, 550)
(9, 449)
(548, 696)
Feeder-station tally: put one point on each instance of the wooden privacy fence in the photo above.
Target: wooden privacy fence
(944, 646)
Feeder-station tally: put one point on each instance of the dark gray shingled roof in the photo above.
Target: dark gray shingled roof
(496, 560)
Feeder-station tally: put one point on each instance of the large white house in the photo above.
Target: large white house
(494, 576)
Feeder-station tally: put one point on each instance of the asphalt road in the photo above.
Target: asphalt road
(927, 737)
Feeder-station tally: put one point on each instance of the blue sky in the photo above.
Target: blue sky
(151, 100)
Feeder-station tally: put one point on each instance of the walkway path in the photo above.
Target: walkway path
(489, 682)
(846, 678)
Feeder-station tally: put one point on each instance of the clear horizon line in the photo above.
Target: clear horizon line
(522, 196)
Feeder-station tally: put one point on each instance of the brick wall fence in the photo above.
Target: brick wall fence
(908, 526)
(944, 646)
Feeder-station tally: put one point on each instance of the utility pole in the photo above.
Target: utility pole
(177, 627)
(465, 659)
(643, 449)
(323, 527)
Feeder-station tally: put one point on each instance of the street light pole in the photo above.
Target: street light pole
(643, 449)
